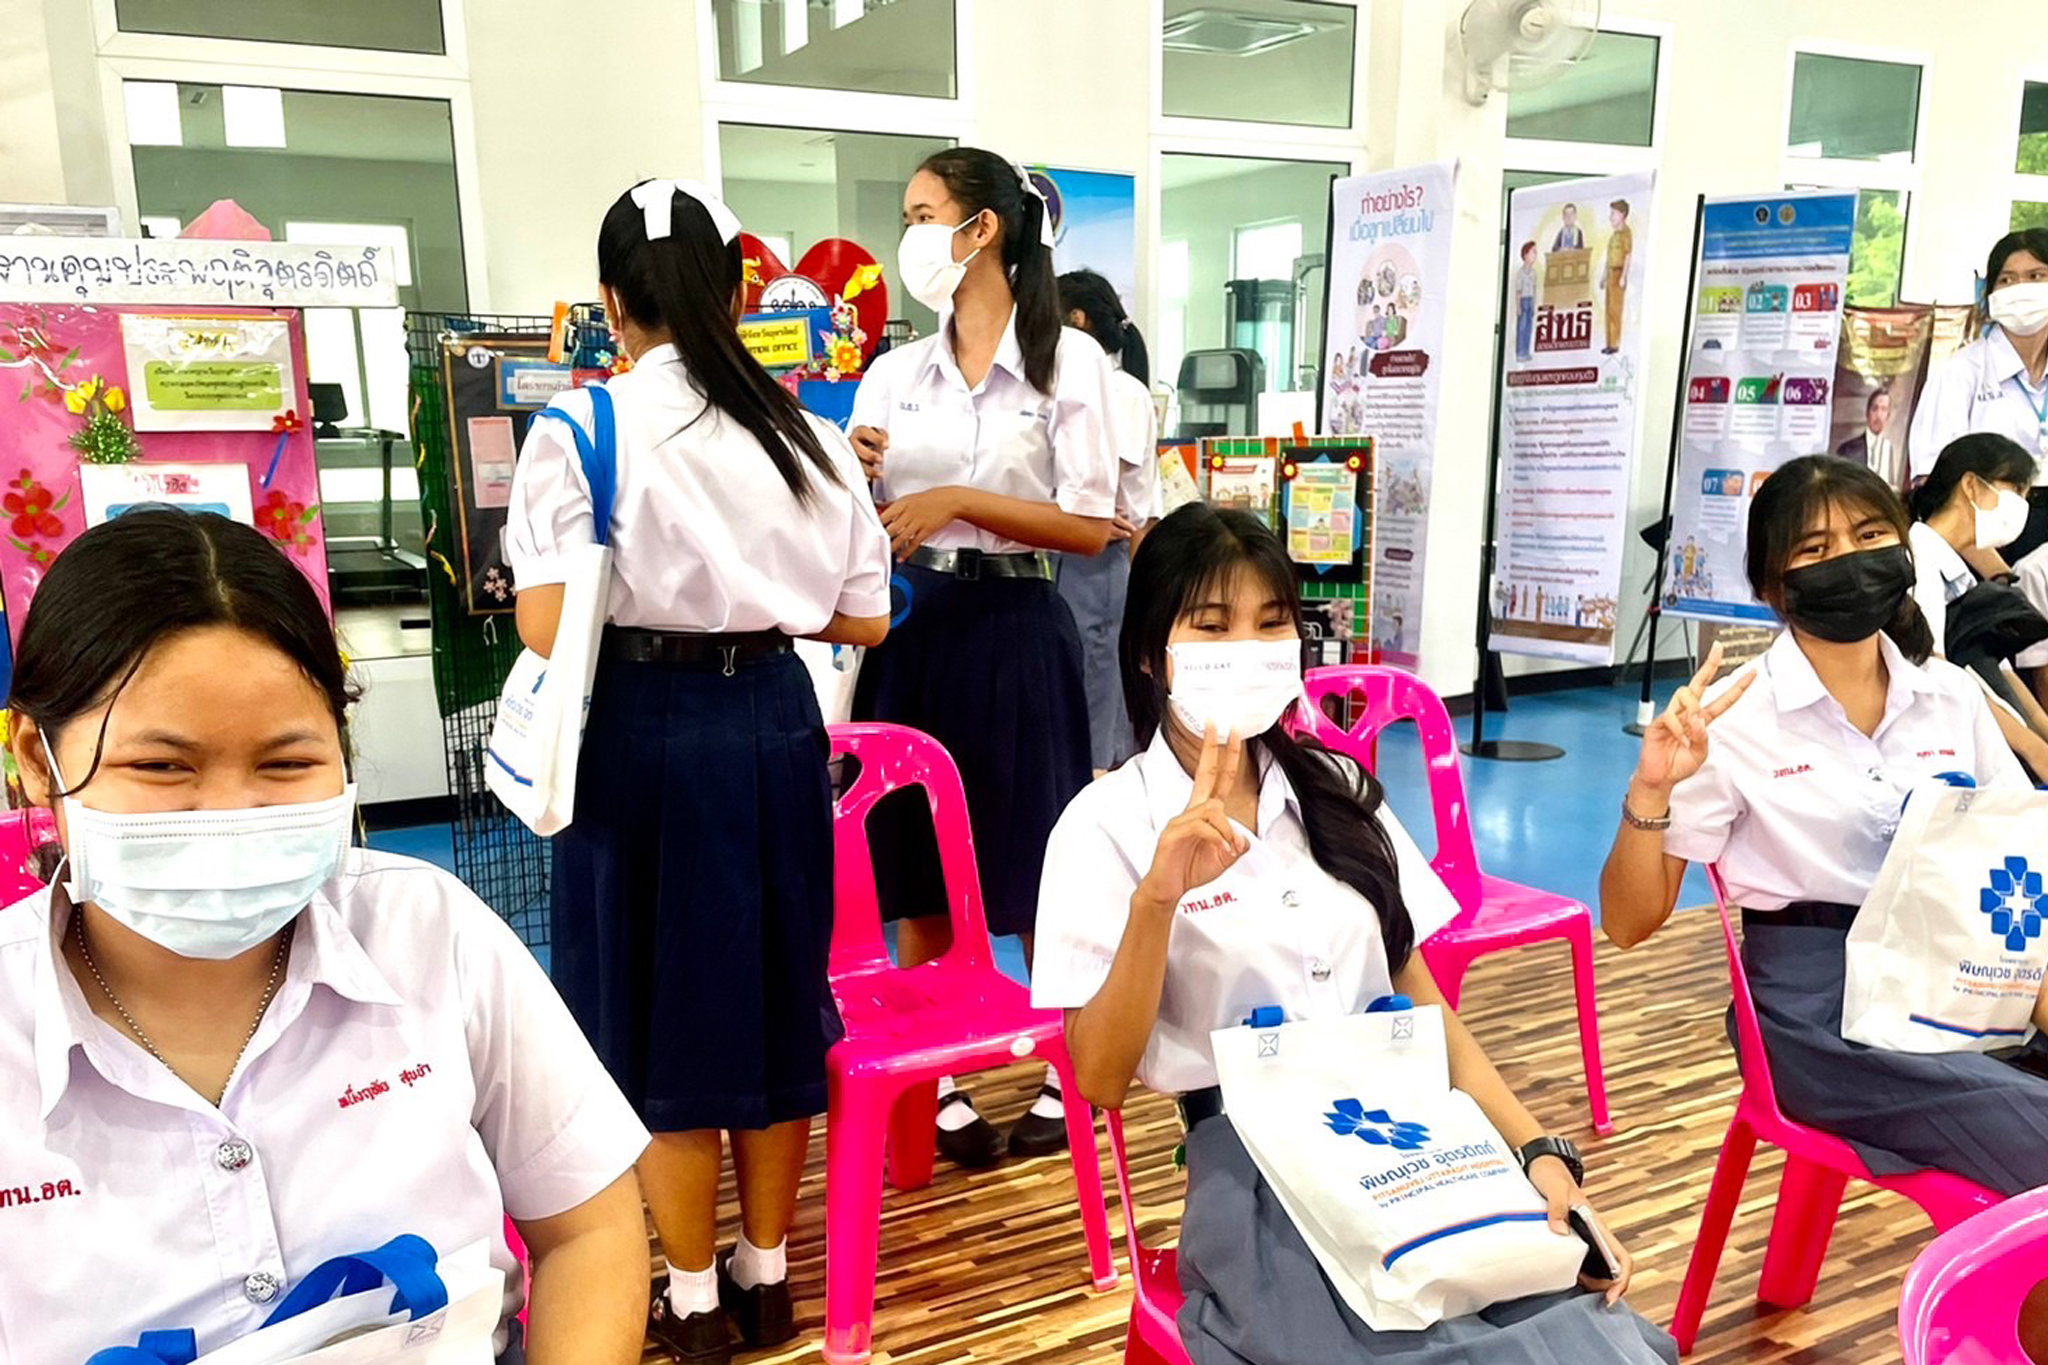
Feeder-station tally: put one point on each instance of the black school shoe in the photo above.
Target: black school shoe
(764, 1314)
(1036, 1135)
(699, 1339)
(978, 1146)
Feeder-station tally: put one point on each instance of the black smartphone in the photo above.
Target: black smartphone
(1601, 1262)
(2031, 1060)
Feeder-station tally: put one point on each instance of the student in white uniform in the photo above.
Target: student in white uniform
(692, 894)
(1093, 586)
(1791, 775)
(990, 446)
(1205, 879)
(231, 1048)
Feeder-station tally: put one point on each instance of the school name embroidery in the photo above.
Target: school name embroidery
(21, 1196)
(1798, 770)
(1215, 902)
(408, 1077)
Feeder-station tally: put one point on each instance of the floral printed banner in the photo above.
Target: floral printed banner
(64, 399)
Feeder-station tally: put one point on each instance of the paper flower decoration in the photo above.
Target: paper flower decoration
(285, 521)
(282, 426)
(105, 438)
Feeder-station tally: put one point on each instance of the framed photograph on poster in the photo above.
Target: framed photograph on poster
(1325, 497)
(111, 489)
(188, 372)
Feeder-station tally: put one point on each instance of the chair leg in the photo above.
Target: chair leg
(1589, 1024)
(1447, 966)
(913, 1136)
(1730, 1170)
(1087, 1157)
(1809, 1197)
(854, 1136)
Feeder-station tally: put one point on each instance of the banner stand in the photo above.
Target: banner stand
(1500, 750)
(1646, 706)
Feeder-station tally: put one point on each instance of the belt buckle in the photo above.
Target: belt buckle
(967, 565)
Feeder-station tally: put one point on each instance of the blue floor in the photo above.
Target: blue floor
(1546, 825)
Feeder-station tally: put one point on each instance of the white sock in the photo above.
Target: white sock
(692, 1291)
(954, 1117)
(754, 1266)
(1045, 1106)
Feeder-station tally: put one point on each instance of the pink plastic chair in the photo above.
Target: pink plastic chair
(1496, 914)
(1961, 1301)
(1154, 1336)
(517, 1246)
(22, 832)
(1818, 1167)
(907, 1027)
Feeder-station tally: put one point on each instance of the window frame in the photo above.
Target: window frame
(452, 63)
(1346, 138)
(1556, 156)
(850, 111)
(2031, 189)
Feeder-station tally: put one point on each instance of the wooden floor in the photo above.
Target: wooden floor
(991, 1267)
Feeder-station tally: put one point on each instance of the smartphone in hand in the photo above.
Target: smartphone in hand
(1601, 1262)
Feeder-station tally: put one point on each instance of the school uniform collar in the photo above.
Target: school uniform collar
(1795, 686)
(1009, 352)
(1169, 786)
(664, 354)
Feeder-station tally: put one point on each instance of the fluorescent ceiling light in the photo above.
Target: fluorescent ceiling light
(1231, 33)
(153, 114)
(252, 115)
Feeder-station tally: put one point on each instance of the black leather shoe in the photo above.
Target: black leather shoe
(765, 1315)
(978, 1146)
(699, 1339)
(1035, 1135)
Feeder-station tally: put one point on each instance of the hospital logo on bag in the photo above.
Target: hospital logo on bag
(1349, 1118)
(2016, 904)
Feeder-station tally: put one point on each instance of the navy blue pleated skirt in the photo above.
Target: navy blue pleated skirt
(692, 894)
(992, 670)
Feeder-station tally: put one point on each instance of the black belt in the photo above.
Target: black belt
(970, 565)
(1198, 1105)
(629, 644)
(1804, 915)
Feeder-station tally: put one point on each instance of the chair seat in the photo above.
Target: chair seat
(1159, 1297)
(934, 1019)
(1512, 913)
(1943, 1195)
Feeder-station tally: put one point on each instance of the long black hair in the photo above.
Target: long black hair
(129, 584)
(1991, 457)
(1799, 494)
(1195, 555)
(684, 284)
(979, 180)
(1094, 298)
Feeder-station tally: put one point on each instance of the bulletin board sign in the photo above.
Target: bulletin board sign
(786, 340)
(1326, 510)
(488, 415)
(75, 447)
(102, 270)
(208, 372)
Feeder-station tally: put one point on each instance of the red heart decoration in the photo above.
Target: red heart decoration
(767, 268)
(831, 265)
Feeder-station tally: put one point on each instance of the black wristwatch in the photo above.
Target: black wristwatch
(1557, 1147)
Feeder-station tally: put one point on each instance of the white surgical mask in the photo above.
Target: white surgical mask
(2000, 524)
(2021, 309)
(205, 883)
(1240, 687)
(924, 260)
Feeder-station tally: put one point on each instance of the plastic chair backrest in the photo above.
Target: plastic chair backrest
(22, 833)
(1961, 1300)
(1749, 1037)
(1115, 1118)
(1389, 696)
(892, 757)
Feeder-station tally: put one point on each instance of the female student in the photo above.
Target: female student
(693, 892)
(1093, 586)
(1791, 775)
(190, 1013)
(990, 443)
(1327, 898)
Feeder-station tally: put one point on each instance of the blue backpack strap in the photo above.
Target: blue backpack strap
(406, 1261)
(180, 1347)
(599, 454)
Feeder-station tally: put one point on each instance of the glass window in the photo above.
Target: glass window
(1260, 61)
(1877, 252)
(877, 47)
(1220, 216)
(386, 25)
(803, 185)
(2029, 213)
(2033, 152)
(1609, 96)
(1854, 109)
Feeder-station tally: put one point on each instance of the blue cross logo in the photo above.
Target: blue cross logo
(1349, 1118)
(2016, 903)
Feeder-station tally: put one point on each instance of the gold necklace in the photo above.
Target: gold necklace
(277, 960)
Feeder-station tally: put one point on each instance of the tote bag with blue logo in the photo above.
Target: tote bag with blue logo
(530, 760)
(1948, 952)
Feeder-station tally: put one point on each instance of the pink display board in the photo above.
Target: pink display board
(49, 355)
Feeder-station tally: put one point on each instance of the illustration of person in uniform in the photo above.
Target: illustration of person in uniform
(1570, 237)
(1620, 246)
(1525, 301)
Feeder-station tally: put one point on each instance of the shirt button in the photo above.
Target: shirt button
(1887, 831)
(261, 1287)
(1319, 970)
(234, 1154)
(1289, 899)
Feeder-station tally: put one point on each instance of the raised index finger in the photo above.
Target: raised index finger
(1730, 697)
(1233, 762)
(1205, 767)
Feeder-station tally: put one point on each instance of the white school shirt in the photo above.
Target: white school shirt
(416, 1072)
(1797, 804)
(1137, 443)
(1274, 930)
(705, 535)
(1940, 576)
(1001, 436)
(1982, 387)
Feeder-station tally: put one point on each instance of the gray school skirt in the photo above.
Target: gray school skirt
(1255, 1295)
(1094, 588)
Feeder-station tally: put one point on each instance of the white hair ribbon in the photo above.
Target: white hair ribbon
(1045, 209)
(657, 198)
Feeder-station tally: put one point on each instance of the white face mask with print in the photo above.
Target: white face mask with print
(1240, 687)
(2021, 309)
(2001, 523)
(924, 261)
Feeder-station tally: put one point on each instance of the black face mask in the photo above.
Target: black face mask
(1850, 597)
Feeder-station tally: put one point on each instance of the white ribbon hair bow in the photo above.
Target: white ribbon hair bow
(1045, 209)
(657, 198)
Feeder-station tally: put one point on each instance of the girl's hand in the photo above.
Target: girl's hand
(1120, 528)
(1200, 844)
(1675, 745)
(871, 444)
(1553, 1180)
(917, 517)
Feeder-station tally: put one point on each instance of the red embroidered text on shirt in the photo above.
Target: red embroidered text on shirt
(353, 1096)
(21, 1196)
(416, 1073)
(1217, 901)
(1936, 753)
(1794, 771)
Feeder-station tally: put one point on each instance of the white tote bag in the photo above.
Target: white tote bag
(834, 669)
(1948, 952)
(1415, 1207)
(530, 760)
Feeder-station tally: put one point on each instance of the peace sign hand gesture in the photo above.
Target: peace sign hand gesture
(1675, 745)
(1200, 844)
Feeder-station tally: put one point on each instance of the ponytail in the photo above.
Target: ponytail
(1910, 632)
(1094, 298)
(979, 180)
